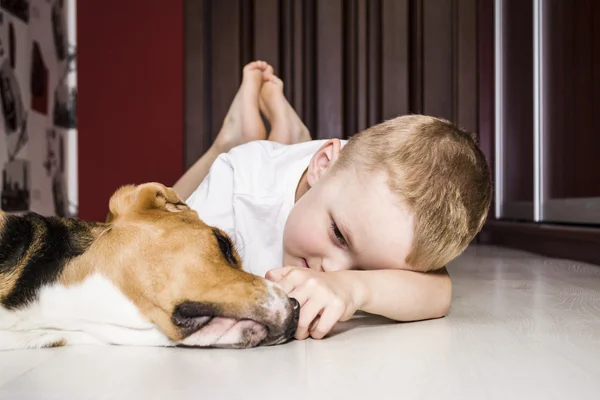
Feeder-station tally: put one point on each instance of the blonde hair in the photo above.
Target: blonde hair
(438, 171)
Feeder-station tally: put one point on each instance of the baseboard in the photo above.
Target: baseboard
(560, 241)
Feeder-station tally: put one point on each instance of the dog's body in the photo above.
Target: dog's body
(153, 275)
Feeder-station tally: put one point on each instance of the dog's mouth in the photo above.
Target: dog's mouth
(228, 333)
(225, 332)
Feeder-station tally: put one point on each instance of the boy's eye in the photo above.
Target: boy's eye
(338, 234)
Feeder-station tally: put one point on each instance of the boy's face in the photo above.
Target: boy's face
(346, 220)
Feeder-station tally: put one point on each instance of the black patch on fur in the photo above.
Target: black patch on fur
(17, 235)
(57, 240)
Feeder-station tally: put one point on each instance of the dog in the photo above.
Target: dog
(152, 274)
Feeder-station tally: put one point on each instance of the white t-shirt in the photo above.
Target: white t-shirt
(249, 193)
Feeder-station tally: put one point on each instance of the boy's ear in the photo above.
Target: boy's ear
(323, 160)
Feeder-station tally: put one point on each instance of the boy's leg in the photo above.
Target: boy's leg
(286, 125)
(241, 124)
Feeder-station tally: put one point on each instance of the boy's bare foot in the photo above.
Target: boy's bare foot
(243, 122)
(286, 125)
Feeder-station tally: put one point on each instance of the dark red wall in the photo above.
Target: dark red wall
(130, 97)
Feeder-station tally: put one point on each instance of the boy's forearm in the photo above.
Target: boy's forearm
(194, 176)
(403, 295)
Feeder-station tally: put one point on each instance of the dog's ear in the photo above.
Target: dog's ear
(146, 197)
(153, 196)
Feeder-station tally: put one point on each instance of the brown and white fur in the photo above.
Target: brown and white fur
(153, 275)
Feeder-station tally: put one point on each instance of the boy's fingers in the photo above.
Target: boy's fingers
(300, 295)
(287, 284)
(291, 278)
(276, 274)
(307, 314)
(322, 327)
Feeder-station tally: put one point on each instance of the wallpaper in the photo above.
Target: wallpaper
(38, 142)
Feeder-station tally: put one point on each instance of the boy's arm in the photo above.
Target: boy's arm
(403, 295)
(329, 297)
(194, 176)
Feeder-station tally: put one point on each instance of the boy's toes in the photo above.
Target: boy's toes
(268, 72)
(254, 65)
(276, 81)
(262, 65)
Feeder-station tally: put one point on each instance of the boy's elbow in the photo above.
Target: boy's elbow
(443, 309)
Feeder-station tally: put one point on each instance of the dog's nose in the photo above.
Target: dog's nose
(290, 332)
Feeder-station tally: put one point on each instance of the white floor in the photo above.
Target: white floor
(521, 327)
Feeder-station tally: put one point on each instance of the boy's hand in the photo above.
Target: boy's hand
(325, 297)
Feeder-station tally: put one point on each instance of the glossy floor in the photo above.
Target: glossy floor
(521, 327)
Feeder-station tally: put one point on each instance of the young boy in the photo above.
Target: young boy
(365, 224)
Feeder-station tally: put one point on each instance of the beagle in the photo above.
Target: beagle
(153, 274)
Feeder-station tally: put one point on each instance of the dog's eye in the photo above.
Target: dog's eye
(226, 247)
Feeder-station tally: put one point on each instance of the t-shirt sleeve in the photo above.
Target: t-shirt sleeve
(213, 199)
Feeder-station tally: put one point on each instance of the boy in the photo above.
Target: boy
(342, 226)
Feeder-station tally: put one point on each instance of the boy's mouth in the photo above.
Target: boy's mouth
(304, 263)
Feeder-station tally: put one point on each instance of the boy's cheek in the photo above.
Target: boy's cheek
(300, 235)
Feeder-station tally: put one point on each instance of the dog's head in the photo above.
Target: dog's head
(187, 276)
(183, 276)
